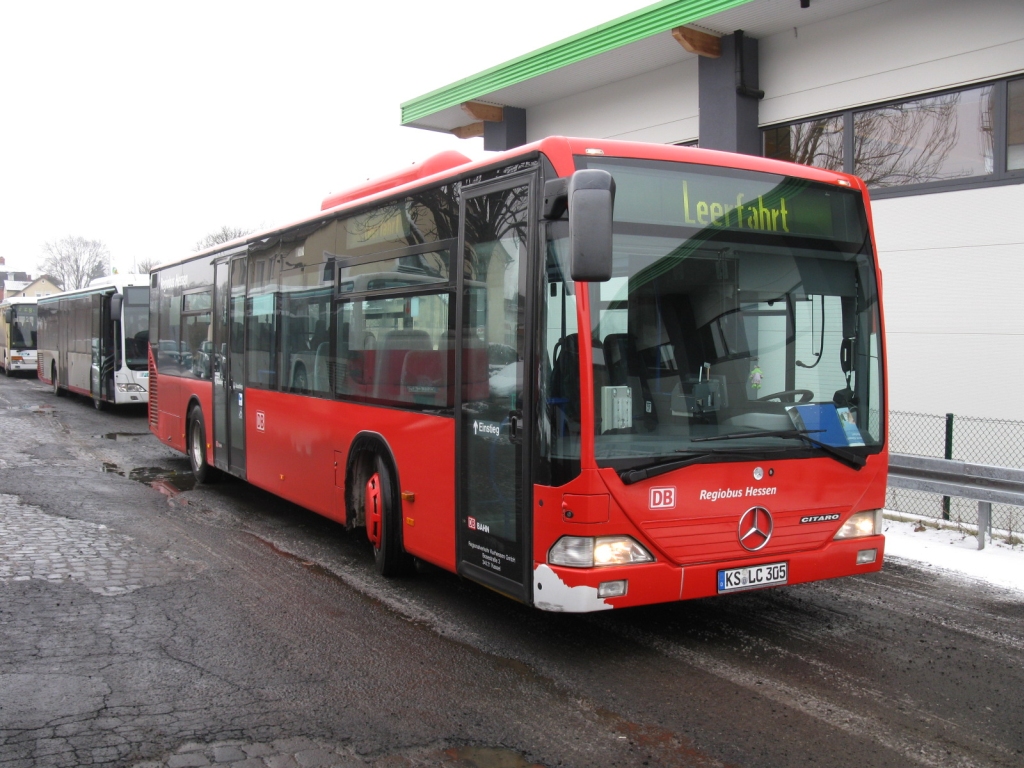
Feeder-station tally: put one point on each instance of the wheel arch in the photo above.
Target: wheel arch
(194, 402)
(359, 467)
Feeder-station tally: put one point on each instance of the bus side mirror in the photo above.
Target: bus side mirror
(115, 307)
(8, 315)
(591, 199)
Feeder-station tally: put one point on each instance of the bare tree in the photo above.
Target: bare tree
(74, 261)
(144, 266)
(223, 235)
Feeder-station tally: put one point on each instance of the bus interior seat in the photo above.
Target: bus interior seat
(391, 358)
(425, 377)
(321, 360)
(565, 382)
(476, 375)
(319, 334)
(625, 369)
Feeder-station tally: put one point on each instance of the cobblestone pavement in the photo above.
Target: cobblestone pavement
(35, 545)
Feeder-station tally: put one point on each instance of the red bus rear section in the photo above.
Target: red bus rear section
(423, 360)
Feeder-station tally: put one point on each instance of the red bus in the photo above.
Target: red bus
(587, 374)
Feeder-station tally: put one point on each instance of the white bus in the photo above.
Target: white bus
(95, 341)
(18, 332)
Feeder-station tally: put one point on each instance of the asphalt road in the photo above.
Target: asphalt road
(143, 622)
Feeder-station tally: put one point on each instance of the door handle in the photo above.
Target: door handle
(515, 426)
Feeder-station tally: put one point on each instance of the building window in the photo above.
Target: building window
(953, 140)
(1015, 126)
(813, 142)
(940, 138)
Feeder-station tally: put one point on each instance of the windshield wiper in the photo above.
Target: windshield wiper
(841, 455)
(630, 476)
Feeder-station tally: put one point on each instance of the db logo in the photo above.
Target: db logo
(472, 523)
(663, 498)
(261, 421)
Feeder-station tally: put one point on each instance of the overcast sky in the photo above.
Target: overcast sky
(147, 126)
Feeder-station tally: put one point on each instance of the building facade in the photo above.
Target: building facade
(44, 285)
(924, 99)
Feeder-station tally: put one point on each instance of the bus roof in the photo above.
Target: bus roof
(19, 300)
(560, 150)
(108, 284)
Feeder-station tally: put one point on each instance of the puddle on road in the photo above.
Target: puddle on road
(45, 410)
(122, 435)
(489, 757)
(168, 481)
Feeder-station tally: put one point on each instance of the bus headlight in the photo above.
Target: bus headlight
(130, 388)
(589, 551)
(861, 524)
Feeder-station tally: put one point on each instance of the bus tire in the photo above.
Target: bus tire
(389, 556)
(201, 469)
(98, 404)
(56, 385)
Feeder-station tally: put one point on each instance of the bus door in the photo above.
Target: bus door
(493, 403)
(101, 376)
(229, 366)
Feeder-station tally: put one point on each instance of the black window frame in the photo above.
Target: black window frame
(1000, 176)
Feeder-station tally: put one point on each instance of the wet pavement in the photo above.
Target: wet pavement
(145, 621)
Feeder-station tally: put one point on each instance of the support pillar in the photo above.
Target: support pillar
(509, 133)
(728, 97)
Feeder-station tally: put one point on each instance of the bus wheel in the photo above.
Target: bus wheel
(384, 523)
(201, 470)
(56, 387)
(98, 404)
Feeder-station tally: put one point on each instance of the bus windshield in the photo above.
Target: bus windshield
(742, 308)
(136, 327)
(23, 327)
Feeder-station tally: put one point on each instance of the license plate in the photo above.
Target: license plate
(752, 577)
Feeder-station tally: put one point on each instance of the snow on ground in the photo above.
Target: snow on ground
(957, 552)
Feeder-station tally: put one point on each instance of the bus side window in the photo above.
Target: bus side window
(396, 350)
(558, 458)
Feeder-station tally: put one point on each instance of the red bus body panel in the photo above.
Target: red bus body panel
(295, 454)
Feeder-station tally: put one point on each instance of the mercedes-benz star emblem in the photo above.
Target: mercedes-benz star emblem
(755, 528)
(758, 473)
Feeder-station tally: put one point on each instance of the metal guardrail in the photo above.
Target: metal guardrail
(981, 482)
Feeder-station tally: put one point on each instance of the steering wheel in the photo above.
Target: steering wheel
(805, 395)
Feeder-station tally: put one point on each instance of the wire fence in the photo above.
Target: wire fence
(997, 442)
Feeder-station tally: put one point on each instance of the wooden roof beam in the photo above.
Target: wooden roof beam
(471, 131)
(700, 43)
(480, 111)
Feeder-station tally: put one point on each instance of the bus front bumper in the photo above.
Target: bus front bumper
(21, 363)
(581, 590)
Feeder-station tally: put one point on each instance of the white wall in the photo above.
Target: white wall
(953, 263)
(659, 106)
(953, 272)
(888, 51)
